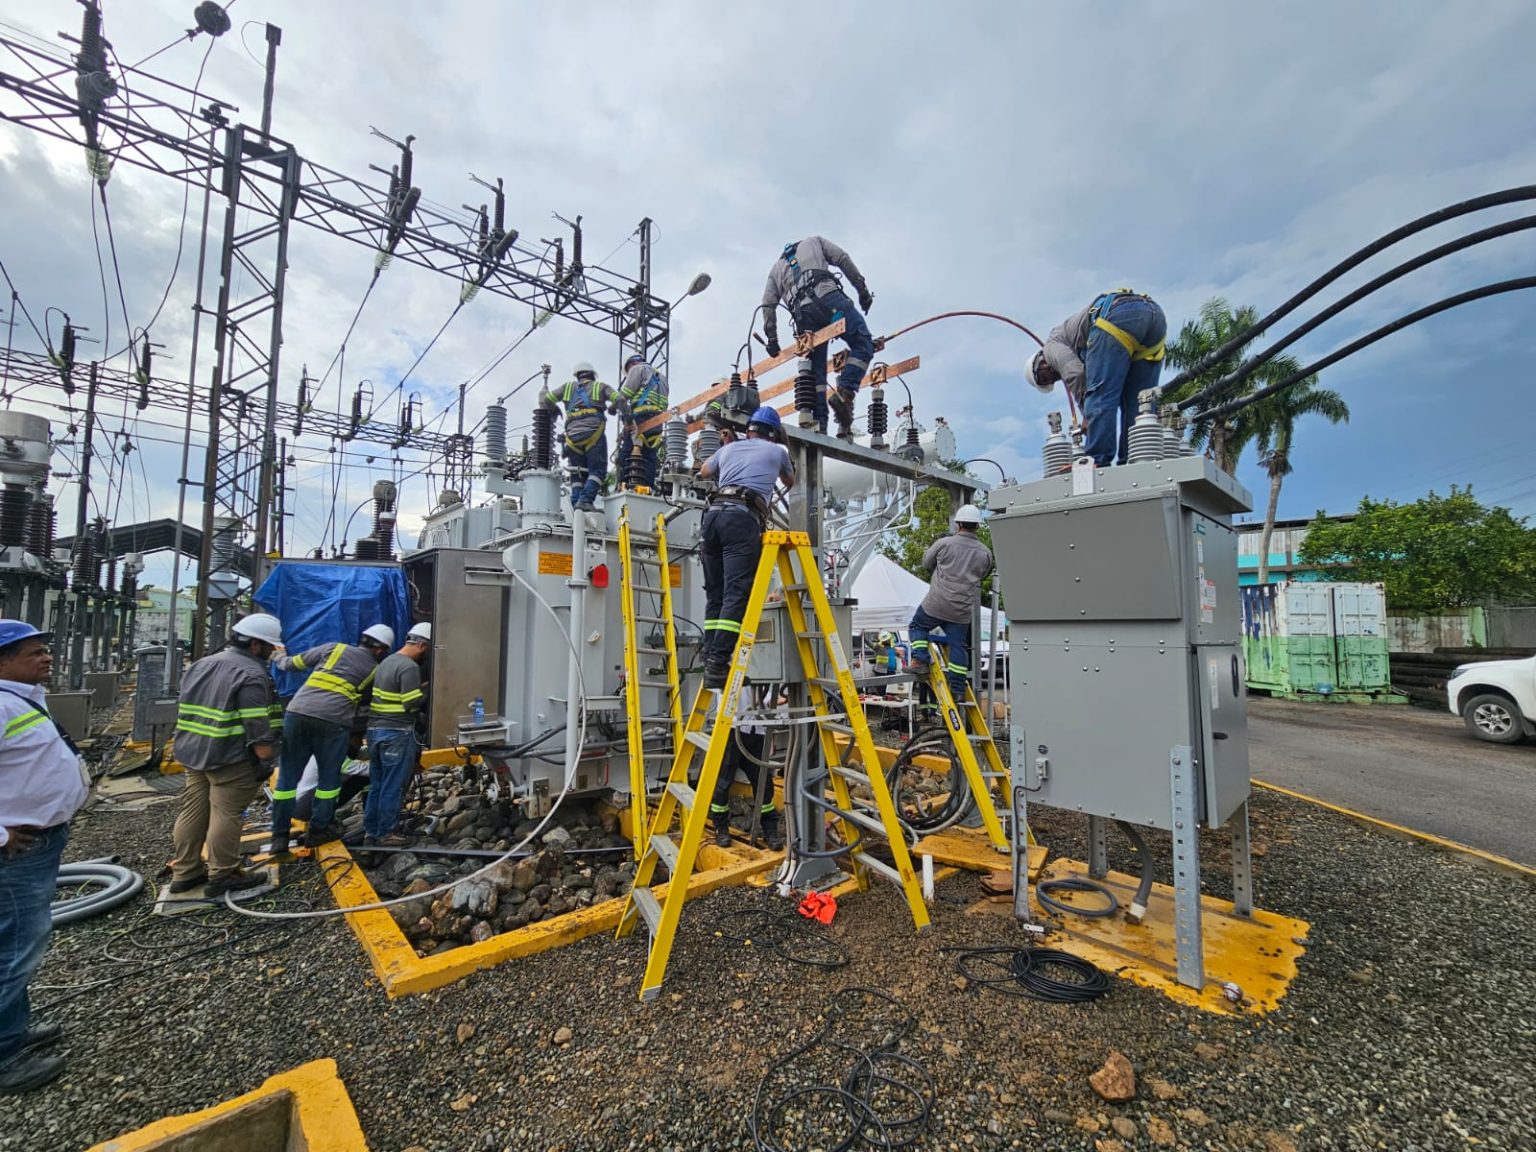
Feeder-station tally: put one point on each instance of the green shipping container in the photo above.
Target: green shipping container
(1306, 638)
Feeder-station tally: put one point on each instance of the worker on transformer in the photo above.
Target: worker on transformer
(226, 743)
(642, 396)
(319, 724)
(745, 473)
(745, 754)
(587, 401)
(958, 564)
(1107, 355)
(392, 747)
(803, 282)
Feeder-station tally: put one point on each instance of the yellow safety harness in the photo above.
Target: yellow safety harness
(1134, 348)
(578, 402)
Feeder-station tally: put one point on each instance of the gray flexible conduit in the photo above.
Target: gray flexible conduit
(118, 885)
(1144, 855)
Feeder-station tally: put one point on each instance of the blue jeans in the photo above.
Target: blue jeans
(820, 312)
(732, 542)
(392, 756)
(1114, 380)
(303, 737)
(955, 636)
(27, 884)
(594, 460)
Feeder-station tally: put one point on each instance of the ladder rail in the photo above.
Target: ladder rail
(635, 730)
(669, 628)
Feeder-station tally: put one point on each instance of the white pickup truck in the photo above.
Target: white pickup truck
(1496, 698)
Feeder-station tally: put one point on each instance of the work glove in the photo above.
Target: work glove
(772, 344)
(866, 299)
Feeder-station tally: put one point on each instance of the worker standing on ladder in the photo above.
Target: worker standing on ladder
(319, 724)
(226, 743)
(587, 401)
(745, 753)
(959, 564)
(1107, 355)
(745, 473)
(642, 396)
(392, 747)
(801, 279)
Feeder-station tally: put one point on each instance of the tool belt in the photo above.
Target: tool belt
(737, 494)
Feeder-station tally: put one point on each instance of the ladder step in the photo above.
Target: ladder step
(653, 619)
(829, 682)
(656, 719)
(863, 819)
(683, 794)
(797, 588)
(637, 587)
(813, 635)
(879, 866)
(666, 851)
(655, 683)
(836, 726)
(654, 651)
(645, 903)
(697, 739)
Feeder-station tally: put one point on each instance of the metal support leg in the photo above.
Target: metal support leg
(1186, 866)
(1098, 848)
(1242, 863)
(1018, 837)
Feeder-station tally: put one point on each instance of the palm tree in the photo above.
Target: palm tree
(1273, 420)
(1226, 438)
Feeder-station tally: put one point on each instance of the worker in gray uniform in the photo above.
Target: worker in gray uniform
(225, 741)
(1106, 355)
(392, 747)
(319, 722)
(802, 280)
(587, 401)
(959, 564)
(745, 474)
(641, 397)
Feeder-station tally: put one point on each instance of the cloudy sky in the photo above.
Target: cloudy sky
(1001, 156)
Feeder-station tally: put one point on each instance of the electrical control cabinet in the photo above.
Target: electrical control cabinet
(1125, 637)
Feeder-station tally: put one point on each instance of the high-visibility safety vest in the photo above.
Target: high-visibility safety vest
(215, 723)
(1134, 348)
(323, 679)
(394, 703)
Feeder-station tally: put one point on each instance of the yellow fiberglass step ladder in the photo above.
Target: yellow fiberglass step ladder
(642, 654)
(970, 729)
(707, 732)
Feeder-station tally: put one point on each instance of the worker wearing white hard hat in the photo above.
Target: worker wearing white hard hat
(587, 401)
(393, 748)
(319, 724)
(959, 563)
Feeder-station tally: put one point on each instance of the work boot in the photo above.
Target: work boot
(325, 834)
(919, 668)
(29, 1070)
(585, 506)
(187, 885)
(396, 840)
(234, 882)
(278, 847)
(721, 823)
(841, 403)
(42, 1035)
(773, 835)
(715, 676)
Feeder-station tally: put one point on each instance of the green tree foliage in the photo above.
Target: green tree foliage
(1276, 418)
(930, 520)
(1437, 553)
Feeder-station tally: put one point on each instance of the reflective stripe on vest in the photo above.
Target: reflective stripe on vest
(24, 722)
(327, 681)
(393, 703)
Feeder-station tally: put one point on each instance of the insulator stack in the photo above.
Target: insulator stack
(543, 438)
(367, 549)
(226, 530)
(40, 525)
(675, 439)
(912, 444)
(634, 470)
(496, 434)
(1056, 454)
(85, 563)
(708, 442)
(1173, 440)
(878, 417)
(1146, 439)
(14, 510)
(805, 391)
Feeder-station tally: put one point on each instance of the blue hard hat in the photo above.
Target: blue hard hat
(767, 416)
(633, 360)
(13, 630)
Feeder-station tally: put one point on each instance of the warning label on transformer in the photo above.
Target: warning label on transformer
(554, 563)
(1207, 600)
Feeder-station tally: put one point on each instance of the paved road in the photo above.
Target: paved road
(1408, 765)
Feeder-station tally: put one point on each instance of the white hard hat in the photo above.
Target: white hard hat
(1029, 373)
(583, 368)
(382, 633)
(968, 514)
(260, 626)
(422, 632)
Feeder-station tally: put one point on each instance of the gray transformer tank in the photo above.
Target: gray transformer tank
(1121, 591)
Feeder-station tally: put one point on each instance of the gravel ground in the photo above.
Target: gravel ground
(1411, 1026)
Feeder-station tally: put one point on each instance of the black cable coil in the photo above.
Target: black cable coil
(543, 438)
(1039, 973)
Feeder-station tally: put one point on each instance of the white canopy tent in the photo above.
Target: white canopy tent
(887, 594)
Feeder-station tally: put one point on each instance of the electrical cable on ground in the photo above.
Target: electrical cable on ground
(1047, 974)
(109, 886)
(780, 930)
(1044, 888)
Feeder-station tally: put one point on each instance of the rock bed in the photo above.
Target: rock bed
(578, 860)
(1411, 1026)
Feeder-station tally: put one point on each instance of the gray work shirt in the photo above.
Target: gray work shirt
(753, 464)
(1064, 351)
(397, 697)
(813, 254)
(336, 681)
(585, 408)
(225, 709)
(959, 564)
(643, 387)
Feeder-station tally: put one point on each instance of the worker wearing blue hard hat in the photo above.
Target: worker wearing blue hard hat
(745, 474)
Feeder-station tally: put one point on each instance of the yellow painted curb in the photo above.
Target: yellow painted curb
(404, 973)
(306, 1108)
(1503, 863)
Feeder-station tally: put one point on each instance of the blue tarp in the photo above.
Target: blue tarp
(324, 603)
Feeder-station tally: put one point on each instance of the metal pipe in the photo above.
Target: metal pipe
(577, 583)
